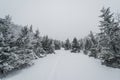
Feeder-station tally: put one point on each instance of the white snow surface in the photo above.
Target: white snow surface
(66, 66)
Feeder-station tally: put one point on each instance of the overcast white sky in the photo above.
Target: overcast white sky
(59, 19)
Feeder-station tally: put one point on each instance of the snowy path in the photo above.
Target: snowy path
(67, 66)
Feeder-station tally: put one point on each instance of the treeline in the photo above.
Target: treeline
(104, 45)
(19, 45)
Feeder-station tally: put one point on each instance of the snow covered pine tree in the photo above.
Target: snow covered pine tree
(109, 39)
(67, 45)
(75, 46)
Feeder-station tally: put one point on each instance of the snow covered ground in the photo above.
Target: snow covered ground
(67, 66)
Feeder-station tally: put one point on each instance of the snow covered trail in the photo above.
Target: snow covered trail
(67, 66)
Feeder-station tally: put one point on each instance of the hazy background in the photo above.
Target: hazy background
(58, 19)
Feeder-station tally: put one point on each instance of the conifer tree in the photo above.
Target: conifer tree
(37, 45)
(24, 49)
(67, 45)
(75, 46)
(8, 58)
(57, 44)
(47, 45)
(109, 37)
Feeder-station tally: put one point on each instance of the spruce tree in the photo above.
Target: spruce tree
(75, 46)
(47, 45)
(109, 37)
(24, 49)
(8, 58)
(67, 45)
(57, 44)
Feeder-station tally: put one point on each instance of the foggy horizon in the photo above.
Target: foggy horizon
(59, 19)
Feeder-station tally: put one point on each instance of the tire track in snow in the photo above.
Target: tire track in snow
(52, 73)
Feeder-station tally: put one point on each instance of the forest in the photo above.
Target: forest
(20, 45)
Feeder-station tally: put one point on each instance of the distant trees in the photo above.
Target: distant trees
(48, 44)
(75, 46)
(57, 44)
(67, 45)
